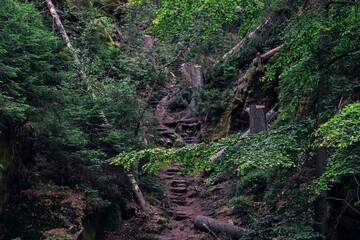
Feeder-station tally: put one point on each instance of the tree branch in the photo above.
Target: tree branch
(347, 203)
(335, 59)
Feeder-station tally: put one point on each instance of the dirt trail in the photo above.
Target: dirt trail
(183, 192)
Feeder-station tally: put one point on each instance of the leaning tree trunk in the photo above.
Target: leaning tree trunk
(139, 196)
(215, 227)
(248, 37)
(75, 57)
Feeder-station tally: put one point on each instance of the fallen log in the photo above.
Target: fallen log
(214, 227)
(265, 56)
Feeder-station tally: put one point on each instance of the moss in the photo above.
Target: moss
(112, 217)
(42, 210)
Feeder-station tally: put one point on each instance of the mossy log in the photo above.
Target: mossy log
(216, 227)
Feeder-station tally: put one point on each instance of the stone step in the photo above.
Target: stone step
(180, 216)
(176, 182)
(179, 202)
(178, 198)
(178, 190)
(176, 195)
(172, 170)
(190, 125)
(177, 174)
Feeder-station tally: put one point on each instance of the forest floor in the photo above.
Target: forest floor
(184, 197)
(183, 192)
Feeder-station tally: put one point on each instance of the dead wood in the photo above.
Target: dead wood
(213, 226)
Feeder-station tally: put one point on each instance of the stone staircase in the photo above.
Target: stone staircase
(183, 206)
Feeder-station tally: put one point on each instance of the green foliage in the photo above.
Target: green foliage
(252, 183)
(340, 132)
(278, 147)
(340, 136)
(94, 201)
(112, 217)
(176, 17)
(241, 204)
(281, 146)
(279, 225)
(297, 64)
(32, 62)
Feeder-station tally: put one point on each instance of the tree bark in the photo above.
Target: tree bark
(249, 36)
(195, 78)
(75, 57)
(257, 118)
(138, 194)
(213, 226)
(266, 55)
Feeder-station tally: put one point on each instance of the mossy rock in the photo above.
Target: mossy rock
(39, 211)
(112, 216)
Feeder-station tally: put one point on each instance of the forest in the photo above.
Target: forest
(179, 119)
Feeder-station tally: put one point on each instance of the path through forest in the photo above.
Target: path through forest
(183, 192)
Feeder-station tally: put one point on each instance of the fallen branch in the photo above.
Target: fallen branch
(211, 225)
(249, 36)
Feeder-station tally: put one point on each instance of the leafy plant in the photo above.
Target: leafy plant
(340, 136)
(241, 204)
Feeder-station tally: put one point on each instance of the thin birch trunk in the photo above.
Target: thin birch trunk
(248, 37)
(75, 57)
(82, 74)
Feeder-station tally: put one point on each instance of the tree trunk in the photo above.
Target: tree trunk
(138, 194)
(195, 78)
(257, 118)
(214, 227)
(266, 55)
(65, 37)
(75, 57)
(248, 37)
(321, 205)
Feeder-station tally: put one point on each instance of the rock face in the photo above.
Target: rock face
(48, 212)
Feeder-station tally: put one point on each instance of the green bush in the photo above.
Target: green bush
(241, 204)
